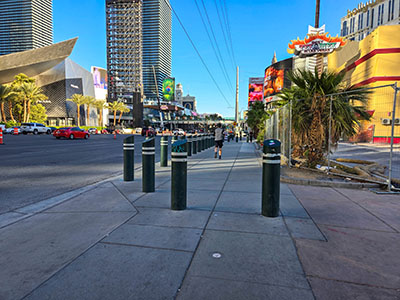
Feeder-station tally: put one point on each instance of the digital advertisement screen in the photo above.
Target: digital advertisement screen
(99, 78)
(275, 78)
(255, 89)
(168, 89)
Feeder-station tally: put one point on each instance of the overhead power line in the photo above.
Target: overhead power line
(224, 35)
(216, 48)
(198, 53)
(228, 25)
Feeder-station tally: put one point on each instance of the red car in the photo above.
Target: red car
(71, 133)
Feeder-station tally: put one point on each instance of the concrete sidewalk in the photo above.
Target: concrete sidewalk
(114, 242)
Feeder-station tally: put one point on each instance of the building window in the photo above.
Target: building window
(392, 15)
(379, 15)
(372, 18)
(382, 10)
(367, 17)
(362, 20)
(390, 2)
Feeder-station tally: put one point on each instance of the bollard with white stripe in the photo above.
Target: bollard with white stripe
(129, 154)
(194, 144)
(271, 178)
(164, 151)
(148, 165)
(179, 175)
(189, 144)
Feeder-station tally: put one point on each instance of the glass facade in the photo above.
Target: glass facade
(157, 45)
(25, 25)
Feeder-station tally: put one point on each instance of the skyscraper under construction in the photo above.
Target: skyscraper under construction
(124, 48)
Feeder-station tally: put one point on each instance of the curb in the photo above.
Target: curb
(322, 183)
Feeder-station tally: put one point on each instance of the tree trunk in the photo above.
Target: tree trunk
(24, 118)
(10, 111)
(120, 116)
(79, 115)
(115, 117)
(87, 114)
(28, 111)
(101, 117)
(3, 115)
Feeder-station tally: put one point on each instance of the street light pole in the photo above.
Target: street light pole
(158, 99)
(317, 14)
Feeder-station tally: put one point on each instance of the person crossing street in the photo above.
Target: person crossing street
(219, 140)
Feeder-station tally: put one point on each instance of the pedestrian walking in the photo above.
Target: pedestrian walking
(251, 136)
(219, 141)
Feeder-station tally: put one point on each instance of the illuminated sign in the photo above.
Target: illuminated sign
(168, 89)
(255, 89)
(362, 7)
(315, 44)
(164, 107)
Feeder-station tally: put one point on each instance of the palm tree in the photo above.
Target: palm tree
(16, 96)
(79, 100)
(100, 105)
(30, 94)
(89, 100)
(123, 109)
(311, 112)
(115, 107)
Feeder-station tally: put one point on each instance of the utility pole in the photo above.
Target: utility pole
(237, 97)
(158, 99)
(317, 14)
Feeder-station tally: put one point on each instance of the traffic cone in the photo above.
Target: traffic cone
(15, 131)
(1, 136)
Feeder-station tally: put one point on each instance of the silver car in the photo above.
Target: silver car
(34, 128)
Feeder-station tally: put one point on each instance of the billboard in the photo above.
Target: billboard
(275, 78)
(255, 89)
(99, 78)
(168, 89)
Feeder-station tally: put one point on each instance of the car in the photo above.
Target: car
(138, 130)
(71, 133)
(53, 129)
(178, 131)
(148, 131)
(93, 130)
(11, 130)
(34, 128)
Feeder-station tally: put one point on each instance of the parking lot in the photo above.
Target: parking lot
(38, 167)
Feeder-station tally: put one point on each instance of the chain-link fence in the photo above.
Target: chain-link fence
(371, 152)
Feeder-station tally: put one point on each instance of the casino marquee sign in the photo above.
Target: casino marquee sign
(315, 44)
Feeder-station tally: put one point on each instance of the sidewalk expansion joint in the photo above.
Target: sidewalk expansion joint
(250, 232)
(362, 207)
(146, 247)
(358, 228)
(355, 283)
(254, 282)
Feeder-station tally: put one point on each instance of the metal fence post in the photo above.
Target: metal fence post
(290, 134)
(330, 135)
(392, 137)
(129, 154)
(148, 166)
(179, 175)
(164, 151)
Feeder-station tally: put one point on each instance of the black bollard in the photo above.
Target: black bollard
(148, 166)
(129, 154)
(198, 143)
(189, 144)
(271, 178)
(179, 175)
(194, 144)
(164, 151)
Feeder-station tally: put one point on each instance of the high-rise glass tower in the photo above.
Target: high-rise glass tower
(25, 25)
(157, 44)
(124, 48)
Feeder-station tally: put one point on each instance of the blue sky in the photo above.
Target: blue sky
(258, 28)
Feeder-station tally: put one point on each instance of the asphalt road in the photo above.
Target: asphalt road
(38, 167)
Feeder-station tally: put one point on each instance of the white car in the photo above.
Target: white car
(178, 131)
(34, 128)
(11, 130)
